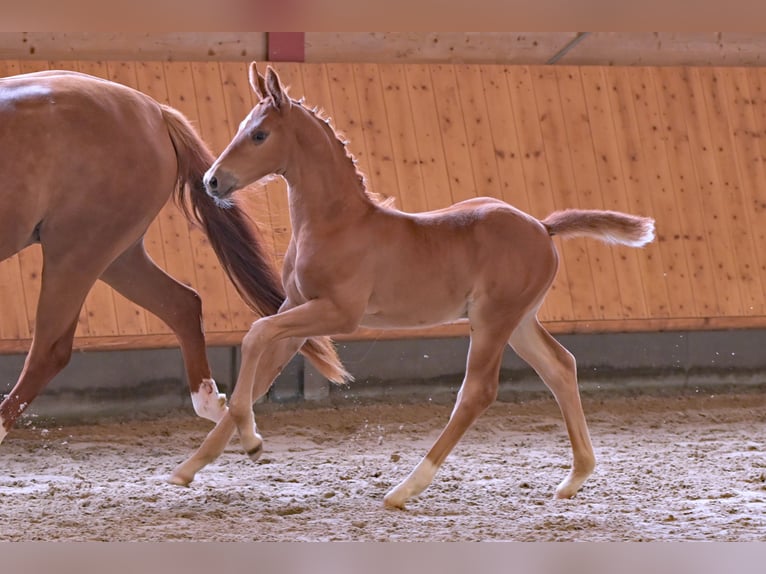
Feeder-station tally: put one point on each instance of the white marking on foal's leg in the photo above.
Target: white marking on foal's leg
(418, 480)
(3, 432)
(208, 402)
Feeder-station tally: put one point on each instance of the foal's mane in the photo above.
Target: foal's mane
(325, 123)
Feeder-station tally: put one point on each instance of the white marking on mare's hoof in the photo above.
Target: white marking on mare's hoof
(208, 402)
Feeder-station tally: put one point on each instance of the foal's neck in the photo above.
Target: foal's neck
(324, 187)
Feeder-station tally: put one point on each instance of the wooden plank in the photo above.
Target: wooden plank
(735, 214)
(605, 275)
(346, 113)
(671, 245)
(150, 79)
(756, 84)
(454, 138)
(209, 279)
(14, 323)
(172, 226)
(692, 218)
(381, 168)
(237, 99)
(502, 126)
(428, 137)
(708, 182)
(216, 131)
(557, 156)
(612, 170)
(476, 120)
(506, 146)
(401, 132)
(531, 151)
(746, 137)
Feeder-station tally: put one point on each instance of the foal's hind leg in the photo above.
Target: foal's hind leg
(556, 367)
(478, 391)
(270, 365)
(66, 280)
(137, 277)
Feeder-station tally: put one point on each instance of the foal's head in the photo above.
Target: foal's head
(262, 144)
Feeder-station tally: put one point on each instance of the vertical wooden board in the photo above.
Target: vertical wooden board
(15, 321)
(747, 138)
(619, 295)
(13, 317)
(372, 108)
(502, 126)
(411, 191)
(93, 68)
(506, 147)
(31, 258)
(208, 276)
(615, 164)
(150, 79)
(9, 68)
(453, 132)
(215, 130)
(559, 165)
(709, 187)
(70, 65)
(734, 213)
(622, 168)
(669, 240)
(237, 98)
(690, 213)
(346, 112)
(131, 319)
(756, 85)
(428, 139)
(476, 119)
(541, 203)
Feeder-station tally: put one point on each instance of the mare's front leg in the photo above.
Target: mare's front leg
(314, 318)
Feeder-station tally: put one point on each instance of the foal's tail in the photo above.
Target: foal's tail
(608, 226)
(234, 240)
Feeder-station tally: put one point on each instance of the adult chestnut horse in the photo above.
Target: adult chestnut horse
(87, 166)
(352, 262)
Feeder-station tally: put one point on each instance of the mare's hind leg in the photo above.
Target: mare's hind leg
(66, 280)
(269, 366)
(556, 367)
(137, 277)
(478, 391)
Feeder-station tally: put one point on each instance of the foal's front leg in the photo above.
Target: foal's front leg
(313, 318)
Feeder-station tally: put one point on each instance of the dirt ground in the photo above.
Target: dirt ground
(690, 466)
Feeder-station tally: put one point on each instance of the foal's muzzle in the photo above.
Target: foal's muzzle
(219, 183)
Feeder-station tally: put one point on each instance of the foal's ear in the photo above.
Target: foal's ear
(274, 88)
(257, 82)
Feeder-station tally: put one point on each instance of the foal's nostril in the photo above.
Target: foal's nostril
(212, 183)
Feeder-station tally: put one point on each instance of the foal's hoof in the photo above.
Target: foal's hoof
(255, 452)
(178, 479)
(394, 500)
(208, 402)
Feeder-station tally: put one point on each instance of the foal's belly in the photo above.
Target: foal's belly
(409, 310)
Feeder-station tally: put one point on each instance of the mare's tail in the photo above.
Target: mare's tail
(234, 240)
(608, 226)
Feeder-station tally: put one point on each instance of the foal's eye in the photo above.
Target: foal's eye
(260, 136)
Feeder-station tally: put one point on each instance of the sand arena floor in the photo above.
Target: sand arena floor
(690, 466)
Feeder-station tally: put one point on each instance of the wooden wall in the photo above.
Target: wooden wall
(597, 48)
(684, 145)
